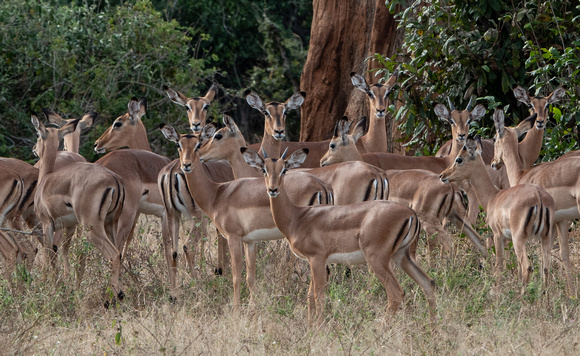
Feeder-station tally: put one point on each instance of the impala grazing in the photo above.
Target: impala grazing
(379, 233)
(237, 209)
(521, 213)
(560, 178)
(80, 193)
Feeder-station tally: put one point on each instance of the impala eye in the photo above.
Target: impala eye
(283, 172)
(205, 107)
(117, 124)
(218, 136)
(332, 146)
(459, 160)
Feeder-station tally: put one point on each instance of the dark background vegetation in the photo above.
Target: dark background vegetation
(76, 56)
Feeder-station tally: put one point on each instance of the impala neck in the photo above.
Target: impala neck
(284, 212)
(270, 145)
(375, 139)
(484, 188)
(48, 159)
(531, 146)
(203, 190)
(513, 164)
(139, 140)
(239, 166)
(72, 141)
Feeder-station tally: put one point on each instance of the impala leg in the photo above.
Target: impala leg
(562, 228)
(384, 272)
(318, 275)
(311, 300)
(499, 248)
(523, 261)
(235, 245)
(468, 230)
(546, 247)
(100, 239)
(250, 251)
(195, 237)
(9, 250)
(170, 253)
(411, 267)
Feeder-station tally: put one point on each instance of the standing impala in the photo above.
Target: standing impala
(351, 182)
(376, 232)
(376, 138)
(79, 193)
(520, 213)
(237, 209)
(417, 188)
(560, 178)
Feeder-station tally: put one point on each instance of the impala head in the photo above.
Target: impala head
(223, 143)
(275, 112)
(71, 142)
(506, 138)
(467, 161)
(196, 107)
(187, 146)
(377, 93)
(459, 119)
(342, 146)
(273, 168)
(49, 137)
(127, 130)
(537, 104)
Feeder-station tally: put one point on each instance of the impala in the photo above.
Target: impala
(351, 182)
(376, 232)
(155, 186)
(529, 147)
(416, 188)
(520, 213)
(71, 141)
(82, 193)
(560, 178)
(376, 138)
(237, 209)
(196, 107)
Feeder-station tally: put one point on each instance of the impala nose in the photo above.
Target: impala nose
(461, 137)
(186, 167)
(196, 128)
(279, 134)
(273, 192)
(381, 112)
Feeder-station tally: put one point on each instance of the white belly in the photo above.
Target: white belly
(507, 233)
(348, 258)
(263, 235)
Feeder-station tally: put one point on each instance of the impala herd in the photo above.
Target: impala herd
(350, 202)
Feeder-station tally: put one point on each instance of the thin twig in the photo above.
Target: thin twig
(21, 232)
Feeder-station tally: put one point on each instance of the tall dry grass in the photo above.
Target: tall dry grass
(476, 314)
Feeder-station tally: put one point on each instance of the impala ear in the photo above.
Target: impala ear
(88, 120)
(471, 147)
(556, 95)
(136, 109)
(297, 158)
(442, 113)
(359, 129)
(499, 121)
(252, 158)
(342, 128)
(477, 113)
(38, 126)
(211, 92)
(230, 124)
(69, 128)
(54, 117)
(521, 94)
(295, 101)
(360, 83)
(207, 133)
(526, 125)
(175, 96)
(169, 132)
(392, 80)
(254, 101)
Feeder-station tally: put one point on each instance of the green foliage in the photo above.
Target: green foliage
(456, 49)
(75, 59)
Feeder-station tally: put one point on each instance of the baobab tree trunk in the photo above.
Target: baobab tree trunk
(343, 35)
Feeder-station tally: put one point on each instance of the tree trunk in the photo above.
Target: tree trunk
(343, 35)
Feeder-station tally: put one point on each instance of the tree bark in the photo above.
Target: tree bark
(343, 35)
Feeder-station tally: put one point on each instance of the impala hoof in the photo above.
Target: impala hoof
(218, 271)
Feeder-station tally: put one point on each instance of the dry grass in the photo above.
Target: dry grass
(476, 314)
